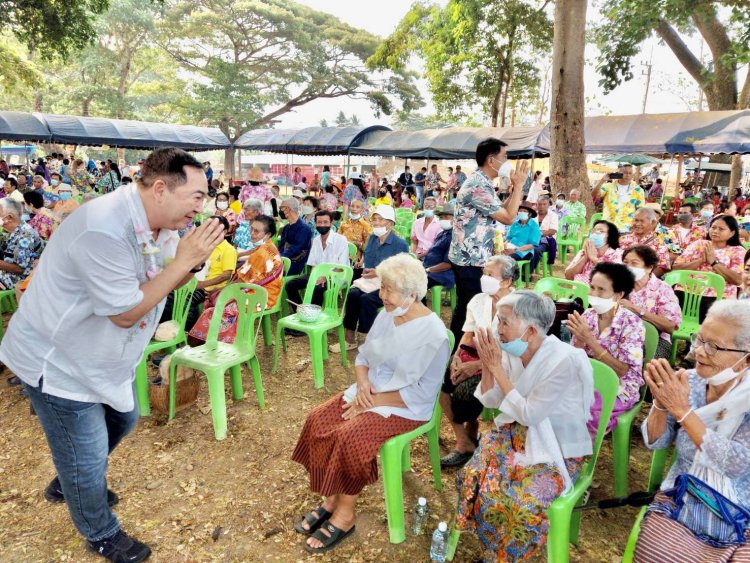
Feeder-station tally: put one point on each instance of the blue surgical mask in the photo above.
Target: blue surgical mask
(429, 213)
(65, 195)
(707, 214)
(515, 347)
(523, 216)
(25, 217)
(598, 239)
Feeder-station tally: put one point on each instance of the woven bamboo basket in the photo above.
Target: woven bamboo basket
(188, 385)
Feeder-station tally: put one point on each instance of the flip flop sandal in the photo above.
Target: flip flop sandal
(312, 521)
(455, 459)
(337, 534)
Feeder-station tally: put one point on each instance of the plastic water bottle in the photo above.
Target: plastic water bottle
(420, 516)
(565, 335)
(439, 543)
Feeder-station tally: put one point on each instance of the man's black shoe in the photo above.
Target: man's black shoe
(53, 493)
(121, 548)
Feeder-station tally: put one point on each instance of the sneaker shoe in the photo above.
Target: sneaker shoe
(336, 348)
(54, 493)
(121, 548)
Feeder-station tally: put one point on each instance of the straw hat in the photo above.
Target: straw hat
(256, 174)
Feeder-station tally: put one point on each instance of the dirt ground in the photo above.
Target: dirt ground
(193, 499)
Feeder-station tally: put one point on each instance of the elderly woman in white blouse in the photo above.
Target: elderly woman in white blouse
(544, 390)
(398, 370)
(705, 413)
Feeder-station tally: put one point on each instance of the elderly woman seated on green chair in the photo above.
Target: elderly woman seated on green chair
(544, 390)
(398, 374)
(705, 413)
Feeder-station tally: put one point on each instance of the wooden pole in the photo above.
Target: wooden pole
(680, 159)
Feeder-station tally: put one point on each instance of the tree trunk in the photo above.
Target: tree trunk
(567, 160)
(85, 107)
(495, 108)
(229, 164)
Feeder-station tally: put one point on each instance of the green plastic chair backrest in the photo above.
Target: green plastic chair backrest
(401, 211)
(694, 285)
(251, 301)
(575, 228)
(372, 200)
(607, 384)
(560, 289)
(352, 250)
(594, 218)
(338, 281)
(287, 263)
(652, 339)
(181, 302)
(693, 200)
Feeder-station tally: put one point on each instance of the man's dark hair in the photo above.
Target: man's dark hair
(34, 199)
(223, 220)
(324, 213)
(13, 182)
(623, 280)
(658, 181)
(268, 224)
(234, 191)
(689, 205)
(59, 176)
(168, 165)
(313, 200)
(487, 148)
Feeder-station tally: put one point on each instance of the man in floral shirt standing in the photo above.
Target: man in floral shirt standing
(477, 209)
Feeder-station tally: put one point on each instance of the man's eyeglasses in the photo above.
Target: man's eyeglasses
(710, 348)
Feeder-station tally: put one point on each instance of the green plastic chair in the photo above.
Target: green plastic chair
(8, 302)
(436, 297)
(338, 283)
(622, 431)
(594, 218)
(564, 524)
(560, 289)
(395, 459)
(546, 268)
(694, 284)
(352, 251)
(524, 269)
(277, 308)
(215, 358)
(371, 200)
(182, 297)
(574, 228)
(659, 460)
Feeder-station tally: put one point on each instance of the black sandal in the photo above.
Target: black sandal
(312, 521)
(455, 459)
(329, 542)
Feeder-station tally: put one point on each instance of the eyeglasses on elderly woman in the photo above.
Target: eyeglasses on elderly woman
(710, 348)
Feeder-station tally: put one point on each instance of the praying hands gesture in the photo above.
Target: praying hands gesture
(580, 329)
(709, 254)
(589, 250)
(490, 355)
(669, 388)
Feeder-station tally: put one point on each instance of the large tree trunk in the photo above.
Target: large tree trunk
(567, 160)
(229, 164)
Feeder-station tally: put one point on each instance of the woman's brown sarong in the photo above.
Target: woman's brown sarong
(340, 455)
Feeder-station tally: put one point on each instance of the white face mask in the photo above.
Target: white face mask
(400, 311)
(379, 231)
(560, 202)
(222, 205)
(354, 217)
(601, 305)
(726, 375)
(446, 224)
(490, 285)
(638, 273)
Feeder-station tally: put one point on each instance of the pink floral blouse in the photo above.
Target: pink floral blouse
(624, 340)
(730, 256)
(658, 298)
(610, 255)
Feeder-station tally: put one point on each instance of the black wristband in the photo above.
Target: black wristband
(197, 268)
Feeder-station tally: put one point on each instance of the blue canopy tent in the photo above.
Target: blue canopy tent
(308, 141)
(20, 126)
(94, 131)
(18, 150)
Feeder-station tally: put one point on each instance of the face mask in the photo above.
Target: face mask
(684, 218)
(490, 285)
(382, 194)
(306, 210)
(222, 205)
(497, 170)
(598, 239)
(707, 214)
(400, 311)
(54, 182)
(725, 375)
(25, 217)
(523, 216)
(254, 245)
(323, 230)
(446, 224)
(515, 347)
(560, 202)
(65, 195)
(354, 217)
(379, 231)
(638, 273)
(429, 213)
(601, 305)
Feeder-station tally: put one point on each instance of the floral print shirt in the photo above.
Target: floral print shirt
(80, 180)
(357, 232)
(655, 241)
(624, 340)
(658, 298)
(620, 210)
(351, 193)
(260, 192)
(610, 255)
(329, 202)
(677, 240)
(473, 227)
(22, 247)
(730, 256)
(44, 222)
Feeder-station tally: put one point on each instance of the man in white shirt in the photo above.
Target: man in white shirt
(328, 248)
(354, 174)
(97, 296)
(549, 222)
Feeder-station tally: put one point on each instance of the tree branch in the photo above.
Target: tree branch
(683, 53)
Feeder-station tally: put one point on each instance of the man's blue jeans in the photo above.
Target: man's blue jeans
(81, 436)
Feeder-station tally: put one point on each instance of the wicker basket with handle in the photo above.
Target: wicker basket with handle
(188, 385)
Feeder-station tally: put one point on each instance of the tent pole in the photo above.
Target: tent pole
(348, 160)
(680, 159)
(664, 191)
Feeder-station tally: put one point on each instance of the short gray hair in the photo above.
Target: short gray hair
(291, 203)
(736, 312)
(650, 213)
(429, 198)
(255, 203)
(38, 177)
(405, 273)
(11, 207)
(508, 266)
(531, 308)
